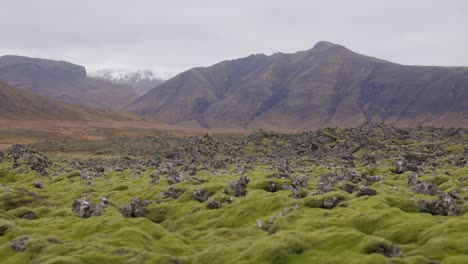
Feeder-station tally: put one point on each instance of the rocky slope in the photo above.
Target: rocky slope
(19, 104)
(141, 81)
(371, 194)
(328, 85)
(63, 81)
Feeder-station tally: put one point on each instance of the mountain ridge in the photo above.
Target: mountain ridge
(328, 85)
(63, 81)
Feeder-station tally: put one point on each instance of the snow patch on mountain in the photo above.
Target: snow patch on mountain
(142, 80)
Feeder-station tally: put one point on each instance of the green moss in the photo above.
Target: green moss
(402, 203)
(21, 211)
(456, 149)
(185, 230)
(156, 213)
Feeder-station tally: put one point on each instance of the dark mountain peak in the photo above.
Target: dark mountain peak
(325, 44)
(328, 85)
(63, 81)
(57, 68)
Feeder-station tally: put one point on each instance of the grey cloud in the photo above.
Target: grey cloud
(172, 36)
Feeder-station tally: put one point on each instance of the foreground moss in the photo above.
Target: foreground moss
(268, 225)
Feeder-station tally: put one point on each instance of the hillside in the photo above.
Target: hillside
(328, 85)
(18, 104)
(140, 81)
(63, 81)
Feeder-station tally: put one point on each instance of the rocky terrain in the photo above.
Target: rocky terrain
(140, 81)
(328, 85)
(63, 81)
(370, 194)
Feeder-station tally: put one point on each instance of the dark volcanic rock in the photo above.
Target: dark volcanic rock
(200, 195)
(84, 209)
(38, 185)
(300, 181)
(136, 208)
(239, 187)
(34, 160)
(29, 215)
(16, 151)
(392, 252)
(367, 192)
(420, 186)
(19, 245)
(426, 188)
(271, 187)
(172, 193)
(373, 179)
(327, 182)
(331, 203)
(404, 165)
(154, 178)
(214, 204)
(350, 188)
(445, 205)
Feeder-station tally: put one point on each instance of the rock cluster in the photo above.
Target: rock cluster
(239, 187)
(445, 205)
(19, 245)
(136, 208)
(84, 209)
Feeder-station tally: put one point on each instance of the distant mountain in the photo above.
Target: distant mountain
(328, 85)
(141, 81)
(63, 81)
(19, 104)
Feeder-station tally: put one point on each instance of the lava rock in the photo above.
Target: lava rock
(84, 209)
(38, 185)
(214, 204)
(455, 195)
(404, 165)
(29, 215)
(270, 187)
(445, 205)
(366, 192)
(19, 245)
(154, 178)
(392, 252)
(300, 181)
(239, 187)
(373, 179)
(331, 203)
(327, 182)
(16, 151)
(172, 192)
(425, 188)
(201, 195)
(136, 208)
(349, 188)
(174, 177)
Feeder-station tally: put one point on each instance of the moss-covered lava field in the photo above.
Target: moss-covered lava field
(371, 194)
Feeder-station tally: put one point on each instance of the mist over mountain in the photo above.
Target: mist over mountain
(328, 85)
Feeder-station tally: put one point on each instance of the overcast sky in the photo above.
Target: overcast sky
(173, 36)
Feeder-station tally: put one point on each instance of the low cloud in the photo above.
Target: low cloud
(172, 36)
